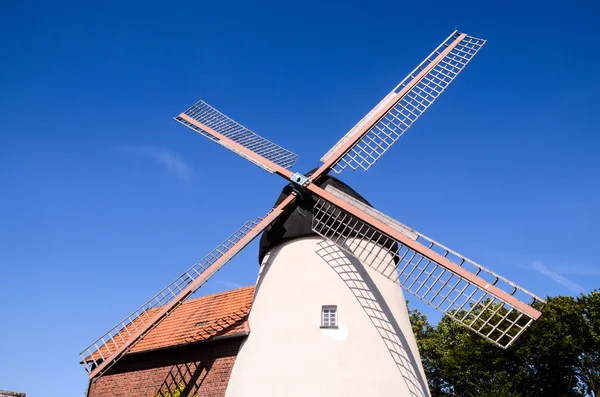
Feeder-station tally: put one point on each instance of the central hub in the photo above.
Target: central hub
(300, 179)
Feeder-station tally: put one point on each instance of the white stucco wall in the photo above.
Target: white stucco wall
(372, 353)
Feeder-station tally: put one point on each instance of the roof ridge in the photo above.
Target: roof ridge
(220, 293)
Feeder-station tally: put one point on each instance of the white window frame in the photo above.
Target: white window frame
(329, 316)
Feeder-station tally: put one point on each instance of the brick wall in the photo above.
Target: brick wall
(201, 370)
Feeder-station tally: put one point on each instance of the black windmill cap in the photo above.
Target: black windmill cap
(297, 221)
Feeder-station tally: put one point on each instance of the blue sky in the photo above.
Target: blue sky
(105, 199)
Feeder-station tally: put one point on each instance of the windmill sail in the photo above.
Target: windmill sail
(118, 341)
(476, 297)
(364, 144)
(209, 122)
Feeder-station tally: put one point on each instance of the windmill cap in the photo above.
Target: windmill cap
(297, 222)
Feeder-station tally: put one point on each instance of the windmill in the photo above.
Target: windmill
(374, 255)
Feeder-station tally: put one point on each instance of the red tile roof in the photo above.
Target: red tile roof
(220, 314)
(195, 320)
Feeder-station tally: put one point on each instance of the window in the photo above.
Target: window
(329, 317)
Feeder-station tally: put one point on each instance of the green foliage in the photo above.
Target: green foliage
(179, 391)
(558, 356)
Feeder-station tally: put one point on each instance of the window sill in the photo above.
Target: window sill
(328, 327)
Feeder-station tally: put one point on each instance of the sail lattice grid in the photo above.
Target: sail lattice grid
(466, 302)
(210, 117)
(122, 333)
(401, 116)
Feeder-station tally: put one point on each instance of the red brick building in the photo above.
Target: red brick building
(190, 353)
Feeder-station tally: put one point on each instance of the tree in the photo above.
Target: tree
(589, 363)
(558, 356)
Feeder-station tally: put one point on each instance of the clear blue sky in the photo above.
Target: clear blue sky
(105, 198)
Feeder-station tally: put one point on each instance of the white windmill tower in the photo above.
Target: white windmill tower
(329, 315)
